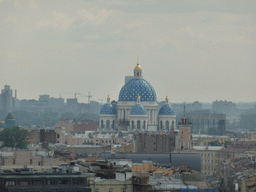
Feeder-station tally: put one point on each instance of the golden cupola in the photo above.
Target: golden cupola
(137, 71)
(137, 67)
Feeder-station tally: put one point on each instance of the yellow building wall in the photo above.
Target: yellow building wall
(143, 167)
(110, 184)
(166, 172)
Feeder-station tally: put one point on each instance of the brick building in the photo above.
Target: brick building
(42, 136)
(81, 127)
(154, 142)
(185, 140)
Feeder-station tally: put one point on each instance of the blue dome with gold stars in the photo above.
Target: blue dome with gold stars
(166, 110)
(138, 109)
(108, 109)
(135, 87)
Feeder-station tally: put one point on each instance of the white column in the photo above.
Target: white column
(149, 118)
(152, 112)
(126, 113)
(155, 116)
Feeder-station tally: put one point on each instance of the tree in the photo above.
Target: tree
(14, 137)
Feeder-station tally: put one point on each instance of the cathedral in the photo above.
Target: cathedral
(137, 108)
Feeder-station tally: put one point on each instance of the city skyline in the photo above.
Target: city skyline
(190, 51)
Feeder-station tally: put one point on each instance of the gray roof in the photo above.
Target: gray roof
(163, 159)
(191, 160)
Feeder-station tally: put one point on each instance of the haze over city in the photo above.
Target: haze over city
(188, 50)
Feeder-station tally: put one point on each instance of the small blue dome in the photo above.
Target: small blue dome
(135, 87)
(166, 110)
(138, 109)
(108, 109)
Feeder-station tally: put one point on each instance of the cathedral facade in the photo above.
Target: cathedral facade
(137, 108)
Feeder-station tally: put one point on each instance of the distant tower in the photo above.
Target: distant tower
(185, 141)
(6, 99)
(10, 121)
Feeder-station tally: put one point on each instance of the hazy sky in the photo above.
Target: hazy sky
(188, 49)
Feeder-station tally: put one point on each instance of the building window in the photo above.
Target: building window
(9, 183)
(167, 125)
(64, 182)
(24, 182)
(108, 124)
(132, 124)
(138, 124)
(58, 136)
(161, 124)
(30, 161)
(13, 161)
(144, 124)
(78, 182)
(110, 190)
(37, 182)
(113, 124)
(101, 124)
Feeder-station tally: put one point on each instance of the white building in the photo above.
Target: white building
(136, 108)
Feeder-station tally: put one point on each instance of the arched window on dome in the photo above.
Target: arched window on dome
(132, 124)
(138, 74)
(101, 124)
(138, 124)
(108, 124)
(124, 115)
(144, 124)
(167, 125)
(172, 124)
(113, 124)
(161, 124)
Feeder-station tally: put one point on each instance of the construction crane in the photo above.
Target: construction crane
(88, 96)
(74, 94)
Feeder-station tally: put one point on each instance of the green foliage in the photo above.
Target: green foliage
(227, 143)
(216, 143)
(14, 137)
(194, 176)
(48, 148)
